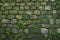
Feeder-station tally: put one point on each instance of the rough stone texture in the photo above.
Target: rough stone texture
(29, 20)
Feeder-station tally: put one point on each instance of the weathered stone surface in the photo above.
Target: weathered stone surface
(2, 16)
(29, 20)
(41, 8)
(37, 4)
(44, 30)
(52, 0)
(21, 7)
(12, 11)
(26, 17)
(34, 17)
(16, 8)
(6, 4)
(10, 25)
(20, 12)
(29, 3)
(4, 25)
(12, 4)
(18, 16)
(4, 21)
(37, 12)
(10, 16)
(14, 30)
(26, 30)
(43, 3)
(19, 0)
(29, 12)
(51, 21)
(27, 7)
(58, 30)
(22, 4)
(13, 21)
(54, 11)
(47, 7)
(3, 36)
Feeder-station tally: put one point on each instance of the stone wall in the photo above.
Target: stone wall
(29, 20)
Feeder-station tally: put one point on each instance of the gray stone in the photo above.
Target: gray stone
(21, 7)
(41, 8)
(20, 30)
(22, 4)
(36, 22)
(29, 12)
(4, 25)
(42, 16)
(2, 16)
(57, 7)
(58, 30)
(34, 30)
(20, 12)
(19, 0)
(13, 21)
(37, 4)
(40, 0)
(3, 36)
(12, 4)
(48, 7)
(45, 21)
(1, 4)
(46, 0)
(33, 0)
(44, 30)
(4, 21)
(43, 25)
(16, 8)
(2, 8)
(52, 0)
(5, 12)
(17, 4)
(51, 21)
(12, 11)
(27, 7)
(10, 25)
(9, 0)
(43, 12)
(8, 8)
(6, 4)
(34, 36)
(37, 12)
(33, 17)
(26, 30)
(43, 3)
(19, 16)
(54, 11)
(57, 21)
(30, 3)
(49, 16)
(3, 0)
(25, 17)
(15, 25)
(32, 7)
(26, 0)
(10, 16)
(14, 30)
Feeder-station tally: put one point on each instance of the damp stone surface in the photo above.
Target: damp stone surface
(29, 19)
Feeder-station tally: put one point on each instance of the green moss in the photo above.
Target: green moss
(7, 33)
(57, 1)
